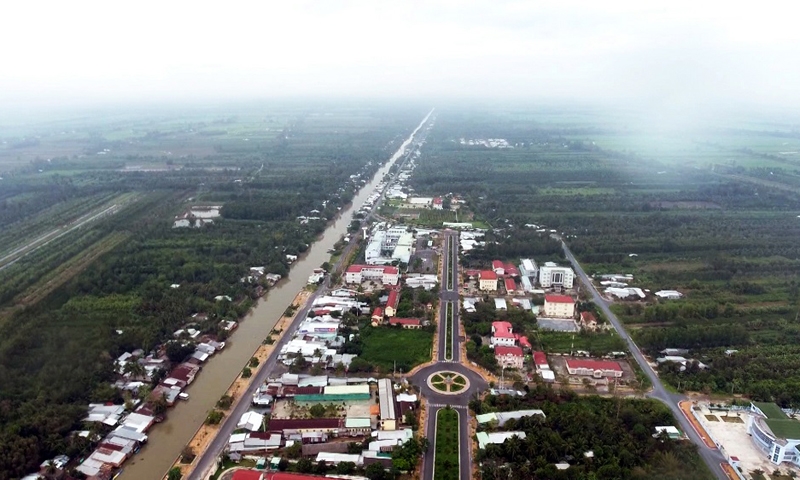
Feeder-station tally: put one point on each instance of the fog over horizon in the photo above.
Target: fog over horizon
(675, 56)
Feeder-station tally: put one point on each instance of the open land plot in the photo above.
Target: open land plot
(725, 237)
(383, 346)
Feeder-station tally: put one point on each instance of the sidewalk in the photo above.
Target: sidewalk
(686, 408)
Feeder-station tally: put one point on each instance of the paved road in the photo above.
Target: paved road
(215, 448)
(712, 457)
(448, 294)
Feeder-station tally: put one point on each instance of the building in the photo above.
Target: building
(559, 306)
(503, 417)
(388, 420)
(669, 294)
(540, 360)
(485, 438)
(511, 286)
(502, 334)
(774, 433)
(487, 281)
(529, 269)
(594, 368)
(438, 203)
(263, 475)
(392, 302)
(376, 273)
(551, 275)
(498, 267)
(411, 323)
(509, 357)
(588, 319)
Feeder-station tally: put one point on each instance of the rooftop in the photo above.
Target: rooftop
(771, 410)
(503, 350)
(784, 428)
(558, 299)
(488, 275)
(594, 364)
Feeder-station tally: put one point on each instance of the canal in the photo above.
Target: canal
(167, 439)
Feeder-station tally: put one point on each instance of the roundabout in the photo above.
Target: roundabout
(448, 383)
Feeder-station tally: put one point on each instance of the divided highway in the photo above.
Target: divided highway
(712, 457)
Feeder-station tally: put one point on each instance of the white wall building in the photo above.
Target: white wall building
(380, 273)
(551, 275)
(763, 425)
(559, 306)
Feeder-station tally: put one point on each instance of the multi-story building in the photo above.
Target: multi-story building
(380, 273)
(502, 334)
(487, 281)
(559, 306)
(774, 433)
(594, 368)
(509, 357)
(551, 275)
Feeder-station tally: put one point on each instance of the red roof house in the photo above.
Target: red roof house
(511, 285)
(498, 267)
(540, 360)
(588, 317)
(488, 275)
(406, 322)
(502, 330)
(511, 270)
(523, 342)
(509, 356)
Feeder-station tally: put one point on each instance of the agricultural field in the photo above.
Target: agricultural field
(81, 296)
(709, 210)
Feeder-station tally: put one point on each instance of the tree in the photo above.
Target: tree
(177, 351)
(304, 465)
(134, 370)
(375, 472)
(174, 474)
(317, 410)
(253, 362)
(283, 464)
(247, 373)
(345, 468)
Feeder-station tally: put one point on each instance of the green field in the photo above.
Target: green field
(710, 211)
(383, 346)
(446, 465)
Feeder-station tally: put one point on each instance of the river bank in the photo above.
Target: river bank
(206, 433)
(166, 440)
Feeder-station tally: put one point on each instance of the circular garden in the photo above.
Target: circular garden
(449, 383)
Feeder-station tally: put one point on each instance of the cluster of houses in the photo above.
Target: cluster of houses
(550, 277)
(617, 286)
(356, 409)
(197, 216)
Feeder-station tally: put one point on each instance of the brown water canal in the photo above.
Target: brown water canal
(166, 440)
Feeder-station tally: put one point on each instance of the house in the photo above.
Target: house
(377, 316)
(670, 430)
(391, 303)
(511, 286)
(411, 323)
(438, 203)
(589, 320)
(594, 368)
(551, 275)
(501, 418)
(388, 415)
(251, 421)
(540, 360)
(498, 267)
(487, 281)
(300, 425)
(386, 275)
(509, 357)
(502, 334)
(523, 341)
(559, 306)
(500, 304)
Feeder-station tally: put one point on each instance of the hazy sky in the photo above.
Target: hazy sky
(680, 53)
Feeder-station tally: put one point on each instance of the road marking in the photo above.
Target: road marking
(442, 405)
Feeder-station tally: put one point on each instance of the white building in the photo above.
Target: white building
(559, 306)
(386, 401)
(380, 273)
(487, 281)
(774, 433)
(528, 268)
(669, 294)
(551, 275)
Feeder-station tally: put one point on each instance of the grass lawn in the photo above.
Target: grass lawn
(446, 460)
(385, 345)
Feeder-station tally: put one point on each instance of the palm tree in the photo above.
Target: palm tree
(134, 370)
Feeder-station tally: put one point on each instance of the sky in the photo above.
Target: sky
(674, 54)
